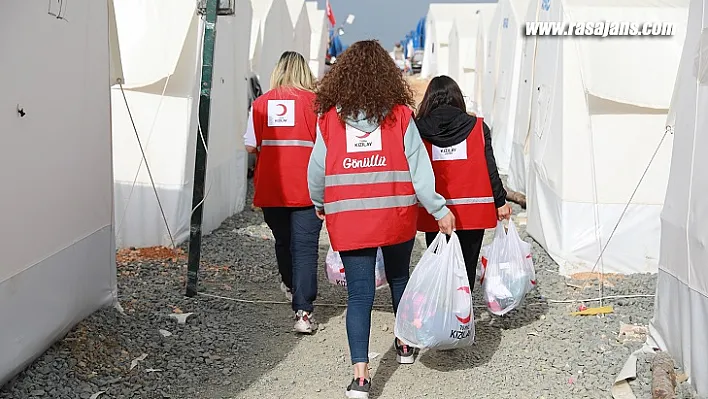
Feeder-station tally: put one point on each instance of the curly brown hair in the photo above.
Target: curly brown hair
(364, 79)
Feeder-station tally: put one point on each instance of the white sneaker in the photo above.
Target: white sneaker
(288, 293)
(304, 322)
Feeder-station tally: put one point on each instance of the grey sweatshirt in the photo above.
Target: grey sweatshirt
(418, 162)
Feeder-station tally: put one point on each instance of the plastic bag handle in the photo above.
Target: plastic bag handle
(439, 244)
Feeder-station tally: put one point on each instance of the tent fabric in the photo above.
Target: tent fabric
(587, 153)
(166, 119)
(519, 159)
(466, 63)
(277, 36)
(318, 39)
(302, 31)
(681, 306)
(501, 85)
(438, 24)
(59, 259)
(152, 44)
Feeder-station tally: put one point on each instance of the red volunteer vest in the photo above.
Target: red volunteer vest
(462, 177)
(285, 123)
(369, 200)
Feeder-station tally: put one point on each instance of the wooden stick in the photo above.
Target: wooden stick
(663, 376)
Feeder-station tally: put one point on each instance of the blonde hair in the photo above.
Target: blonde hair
(292, 71)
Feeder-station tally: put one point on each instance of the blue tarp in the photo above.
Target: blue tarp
(335, 45)
(404, 43)
(419, 37)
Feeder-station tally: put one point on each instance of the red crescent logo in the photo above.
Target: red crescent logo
(341, 270)
(365, 135)
(284, 109)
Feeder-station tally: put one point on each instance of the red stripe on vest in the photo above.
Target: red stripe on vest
(280, 177)
(465, 178)
(367, 228)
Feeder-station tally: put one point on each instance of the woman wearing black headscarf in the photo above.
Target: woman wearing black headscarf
(460, 148)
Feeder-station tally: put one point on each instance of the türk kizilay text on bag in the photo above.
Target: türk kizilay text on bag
(436, 309)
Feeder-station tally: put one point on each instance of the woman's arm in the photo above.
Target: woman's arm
(497, 187)
(316, 172)
(422, 173)
(249, 138)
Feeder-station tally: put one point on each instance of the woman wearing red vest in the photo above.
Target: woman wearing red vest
(460, 148)
(367, 173)
(281, 131)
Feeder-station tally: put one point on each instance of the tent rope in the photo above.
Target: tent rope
(341, 305)
(147, 143)
(147, 167)
(631, 197)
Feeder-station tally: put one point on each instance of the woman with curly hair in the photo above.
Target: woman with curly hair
(367, 173)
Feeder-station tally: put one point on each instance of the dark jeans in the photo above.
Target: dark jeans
(359, 266)
(297, 235)
(471, 243)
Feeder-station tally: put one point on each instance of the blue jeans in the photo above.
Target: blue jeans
(297, 240)
(359, 268)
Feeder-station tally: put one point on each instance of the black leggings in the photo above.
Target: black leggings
(471, 243)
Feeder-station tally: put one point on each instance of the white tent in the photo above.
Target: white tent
(519, 160)
(466, 51)
(277, 36)
(681, 309)
(301, 26)
(160, 45)
(58, 250)
(318, 39)
(256, 45)
(598, 117)
(454, 64)
(438, 23)
(503, 67)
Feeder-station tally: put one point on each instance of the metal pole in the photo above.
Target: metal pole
(200, 158)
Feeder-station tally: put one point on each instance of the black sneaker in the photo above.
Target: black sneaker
(404, 353)
(359, 388)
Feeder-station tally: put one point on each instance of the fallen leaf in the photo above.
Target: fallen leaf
(177, 310)
(680, 378)
(135, 361)
(97, 394)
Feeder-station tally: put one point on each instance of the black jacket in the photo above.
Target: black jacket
(446, 126)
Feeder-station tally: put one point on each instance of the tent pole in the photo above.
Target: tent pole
(200, 158)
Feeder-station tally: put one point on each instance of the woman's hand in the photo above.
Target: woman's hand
(504, 212)
(447, 223)
(320, 214)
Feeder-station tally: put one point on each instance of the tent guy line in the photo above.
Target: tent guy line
(601, 285)
(147, 166)
(339, 305)
(142, 159)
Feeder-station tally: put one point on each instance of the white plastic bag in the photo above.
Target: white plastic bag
(335, 269)
(436, 309)
(507, 273)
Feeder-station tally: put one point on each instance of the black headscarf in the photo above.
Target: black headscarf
(446, 126)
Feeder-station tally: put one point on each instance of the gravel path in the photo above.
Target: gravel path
(229, 349)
